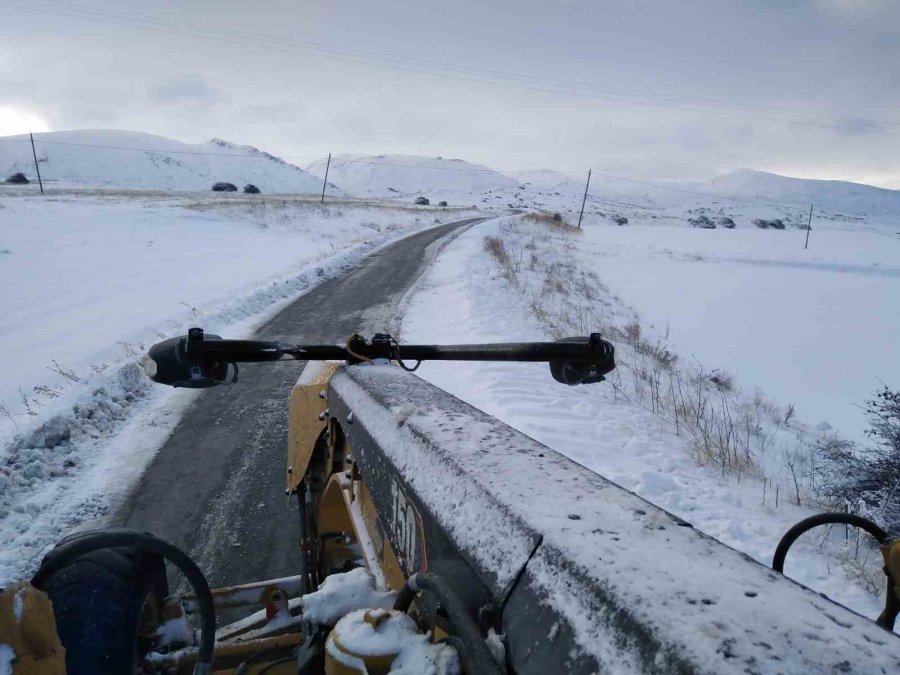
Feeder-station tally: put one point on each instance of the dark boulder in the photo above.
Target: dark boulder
(702, 222)
(774, 224)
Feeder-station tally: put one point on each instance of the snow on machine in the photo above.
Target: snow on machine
(435, 539)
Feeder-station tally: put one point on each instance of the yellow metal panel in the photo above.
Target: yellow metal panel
(27, 625)
(386, 557)
(304, 423)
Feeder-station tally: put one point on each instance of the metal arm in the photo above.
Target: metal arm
(199, 360)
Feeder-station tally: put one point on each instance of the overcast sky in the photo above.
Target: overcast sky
(663, 88)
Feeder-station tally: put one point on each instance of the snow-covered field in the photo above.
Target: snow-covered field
(90, 283)
(815, 328)
(467, 297)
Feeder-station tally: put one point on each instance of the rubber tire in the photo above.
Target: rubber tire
(97, 600)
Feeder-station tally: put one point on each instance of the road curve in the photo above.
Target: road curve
(216, 487)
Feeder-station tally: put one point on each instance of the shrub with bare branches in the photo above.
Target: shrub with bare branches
(868, 479)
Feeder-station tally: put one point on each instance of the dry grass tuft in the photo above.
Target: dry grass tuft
(552, 219)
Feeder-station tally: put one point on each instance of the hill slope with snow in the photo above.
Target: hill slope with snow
(405, 175)
(545, 179)
(130, 159)
(832, 195)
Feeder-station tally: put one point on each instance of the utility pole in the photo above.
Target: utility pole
(36, 167)
(808, 228)
(587, 185)
(325, 182)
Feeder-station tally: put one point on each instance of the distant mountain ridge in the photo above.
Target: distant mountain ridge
(395, 175)
(130, 159)
(831, 195)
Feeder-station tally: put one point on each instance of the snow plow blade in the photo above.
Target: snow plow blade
(579, 574)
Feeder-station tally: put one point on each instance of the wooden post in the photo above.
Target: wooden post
(325, 182)
(36, 167)
(808, 228)
(587, 185)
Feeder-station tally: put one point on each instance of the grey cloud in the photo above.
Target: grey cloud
(680, 89)
(186, 89)
(858, 126)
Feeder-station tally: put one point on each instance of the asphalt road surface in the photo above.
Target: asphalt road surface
(216, 488)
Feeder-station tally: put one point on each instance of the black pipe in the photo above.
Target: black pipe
(303, 568)
(201, 360)
(88, 542)
(540, 352)
(199, 348)
(888, 616)
(474, 653)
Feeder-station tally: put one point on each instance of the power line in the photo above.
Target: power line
(418, 65)
(260, 155)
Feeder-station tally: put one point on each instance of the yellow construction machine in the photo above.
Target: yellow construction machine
(434, 539)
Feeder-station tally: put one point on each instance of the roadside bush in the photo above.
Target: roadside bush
(726, 222)
(543, 217)
(620, 220)
(868, 480)
(18, 178)
(551, 219)
(442, 203)
(775, 223)
(422, 201)
(224, 187)
(251, 189)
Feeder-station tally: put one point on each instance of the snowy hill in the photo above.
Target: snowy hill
(831, 195)
(744, 185)
(129, 159)
(546, 179)
(405, 175)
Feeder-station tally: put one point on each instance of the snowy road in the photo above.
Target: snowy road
(216, 488)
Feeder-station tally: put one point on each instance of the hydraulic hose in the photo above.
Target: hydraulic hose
(473, 652)
(822, 519)
(892, 603)
(115, 538)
